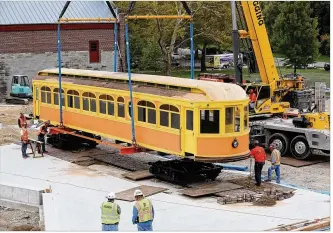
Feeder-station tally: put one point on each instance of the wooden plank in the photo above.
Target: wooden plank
(211, 188)
(297, 163)
(127, 195)
(138, 175)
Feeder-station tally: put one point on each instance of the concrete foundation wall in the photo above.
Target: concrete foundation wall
(20, 197)
(29, 64)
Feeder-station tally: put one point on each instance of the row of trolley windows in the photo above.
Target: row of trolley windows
(169, 114)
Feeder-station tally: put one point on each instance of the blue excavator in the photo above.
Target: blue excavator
(21, 90)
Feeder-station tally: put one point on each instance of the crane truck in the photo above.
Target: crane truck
(276, 95)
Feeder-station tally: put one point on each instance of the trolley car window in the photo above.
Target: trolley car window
(121, 107)
(210, 121)
(73, 99)
(46, 95)
(237, 119)
(146, 112)
(189, 119)
(169, 116)
(56, 96)
(106, 105)
(246, 116)
(89, 102)
(229, 117)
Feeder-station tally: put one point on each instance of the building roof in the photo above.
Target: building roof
(47, 12)
(216, 91)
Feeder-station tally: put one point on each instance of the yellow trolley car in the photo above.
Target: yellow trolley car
(201, 120)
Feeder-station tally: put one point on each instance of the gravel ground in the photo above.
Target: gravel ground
(315, 177)
(18, 220)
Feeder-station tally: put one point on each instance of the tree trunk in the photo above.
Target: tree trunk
(294, 68)
(203, 58)
(168, 64)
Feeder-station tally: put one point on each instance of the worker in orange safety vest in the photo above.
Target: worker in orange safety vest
(253, 98)
(259, 155)
(41, 135)
(21, 120)
(24, 140)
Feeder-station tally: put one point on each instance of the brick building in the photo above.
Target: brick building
(28, 38)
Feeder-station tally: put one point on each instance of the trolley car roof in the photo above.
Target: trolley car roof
(214, 90)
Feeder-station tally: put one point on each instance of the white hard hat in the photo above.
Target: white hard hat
(111, 195)
(137, 193)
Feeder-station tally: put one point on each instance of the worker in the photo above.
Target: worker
(253, 98)
(21, 120)
(41, 135)
(143, 212)
(24, 140)
(259, 155)
(276, 157)
(110, 213)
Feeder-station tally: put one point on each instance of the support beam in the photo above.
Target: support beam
(115, 56)
(130, 82)
(64, 9)
(87, 20)
(159, 17)
(192, 52)
(59, 75)
(235, 44)
(111, 9)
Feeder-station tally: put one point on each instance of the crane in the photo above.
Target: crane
(275, 94)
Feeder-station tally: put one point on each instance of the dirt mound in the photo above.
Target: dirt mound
(265, 201)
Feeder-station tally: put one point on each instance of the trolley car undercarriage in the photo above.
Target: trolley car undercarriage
(179, 171)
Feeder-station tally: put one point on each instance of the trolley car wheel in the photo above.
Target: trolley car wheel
(300, 148)
(281, 141)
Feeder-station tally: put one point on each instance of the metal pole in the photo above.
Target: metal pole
(192, 55)
(235, 44)
(59, 77)
(130, 82)
(115, 45)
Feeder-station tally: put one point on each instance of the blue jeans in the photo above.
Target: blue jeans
(277, 172)
(109, 227)
(24, 149)
(145, 226)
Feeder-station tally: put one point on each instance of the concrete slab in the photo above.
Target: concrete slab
(74, 204)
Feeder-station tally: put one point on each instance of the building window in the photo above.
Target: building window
(56, 96)
(210, 121)
(46, 95)
(73, 99)
(106, 105)
(89, 102)
(94, 54)
(146, 112)
(169, 116)
(121, 107)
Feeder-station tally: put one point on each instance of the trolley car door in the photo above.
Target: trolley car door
(36, 101)
(189, 146)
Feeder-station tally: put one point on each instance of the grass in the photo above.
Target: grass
(312, 75)
(321, 58)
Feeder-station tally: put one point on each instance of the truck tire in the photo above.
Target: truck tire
(299, 148)
(281, 141)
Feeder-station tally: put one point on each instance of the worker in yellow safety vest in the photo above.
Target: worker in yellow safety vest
(143, 212)
(24, 139)
(110, 213)
(276, 158)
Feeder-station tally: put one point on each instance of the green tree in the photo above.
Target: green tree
(295, 33)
